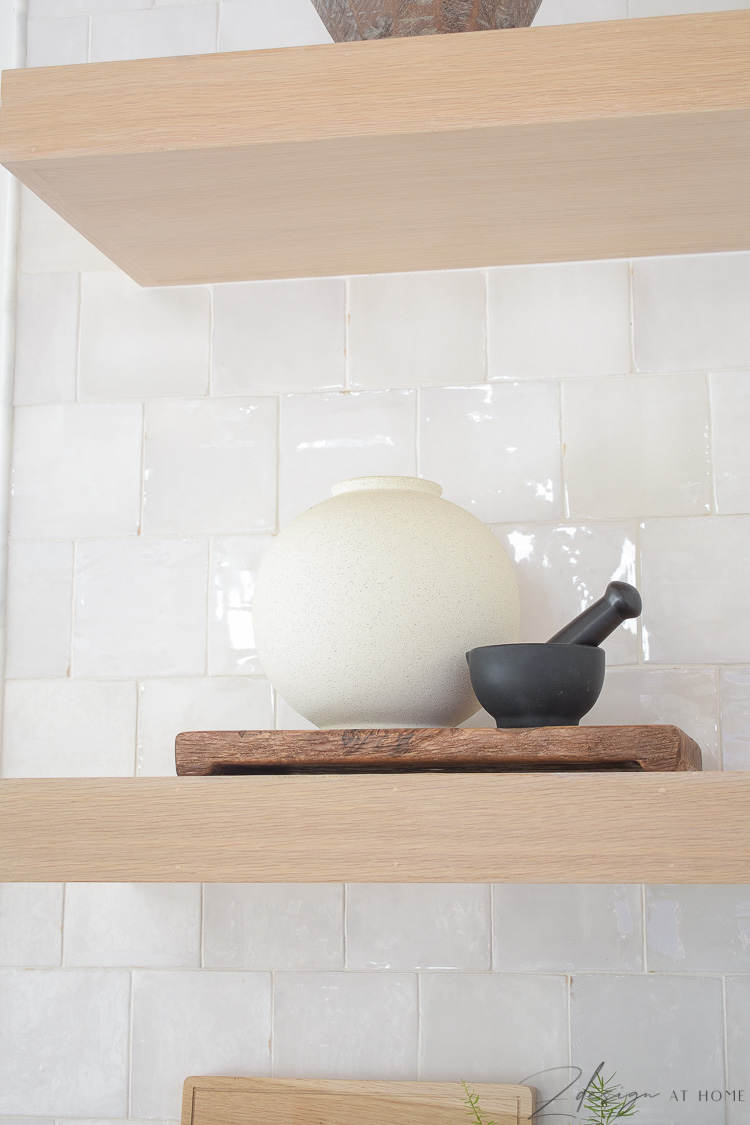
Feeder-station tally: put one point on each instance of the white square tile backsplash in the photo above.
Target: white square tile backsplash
(154, 925)
(64, 1042)
(494, 448)
(417, 329)
(187, 30)
(193, 449)
(142, 343)
(660, 1033)
(345, 1025)
(562, 319)
(691, 313)
(195, 1023)
(417, 926)
(76, 471)
(140, 607)
(548, 927)
(292, 926)
(595, 414)
(279, 335)
(46, 361)
(637, 447)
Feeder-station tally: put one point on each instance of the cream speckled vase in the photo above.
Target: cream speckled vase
(366, 604)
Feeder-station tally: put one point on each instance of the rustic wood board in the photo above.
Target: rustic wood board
(431, 827)
(597, 140)
(252, 1101)
(350, 20)
(202, 753)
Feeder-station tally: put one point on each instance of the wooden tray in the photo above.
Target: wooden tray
(468, 750)
(257, 1101)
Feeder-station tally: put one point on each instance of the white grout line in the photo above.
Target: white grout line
(419, 1026)
(130, 1046)
(644, 942)
(272, 1037)
(347, 349)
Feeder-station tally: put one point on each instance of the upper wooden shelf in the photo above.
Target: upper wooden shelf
(532, 145)
(537, 828)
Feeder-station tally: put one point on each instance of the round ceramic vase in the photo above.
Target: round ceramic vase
(366, 605)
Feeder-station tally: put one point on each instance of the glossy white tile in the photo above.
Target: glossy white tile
(64, 1042)
(31, 916)
(141, 608)
(285, 23)
(46, 337)
(169, 706)
(123, 924)
(696, 599)
(641, 8)
(658, 1034)
(69, 728)
(345, 1025)
(39, 609)
(730, 410)
(580, 11)
(417, 329)
(698, 929)
(59, 42)
(563, 568)
(637, 447)
(279, 336)
(47, 244)
(76, 471)
(289, 719)
(190, 29)
(231, 641)
(495, 449)
(327, 438)
(690, 312)
(210, 465)
(738, 1048)
(37, 1121)
(570, 318)
(418, 926)
(735, 718)
(142, 343)
(39, 9)
(561, 927)
(195, 1023)
(484, 1027)
(293, 926)
(685, 697)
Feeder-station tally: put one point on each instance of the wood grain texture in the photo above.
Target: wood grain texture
(204, 753)
(526, 827)
(536, 144)
(350, 20)
(239, 1101)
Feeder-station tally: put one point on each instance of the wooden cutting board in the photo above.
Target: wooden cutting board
(258, 1101)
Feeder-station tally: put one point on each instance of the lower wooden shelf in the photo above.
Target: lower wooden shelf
(538, 828)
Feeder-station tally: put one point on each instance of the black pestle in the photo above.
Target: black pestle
(620, 601)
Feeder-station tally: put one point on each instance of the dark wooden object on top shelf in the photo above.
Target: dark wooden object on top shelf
(349, 20)
(465, 750)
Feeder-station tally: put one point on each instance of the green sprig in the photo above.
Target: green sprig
(474, 1110)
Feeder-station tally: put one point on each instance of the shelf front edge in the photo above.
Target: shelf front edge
(584, 827)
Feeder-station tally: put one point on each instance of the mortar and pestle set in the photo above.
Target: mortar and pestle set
(557, 683)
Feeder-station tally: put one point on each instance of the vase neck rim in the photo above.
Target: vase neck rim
(400, 484)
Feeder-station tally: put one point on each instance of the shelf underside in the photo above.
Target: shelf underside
(582, 827)
(616, 139)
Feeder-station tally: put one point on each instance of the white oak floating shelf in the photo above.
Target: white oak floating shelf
(615, 139)
(539, 828)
